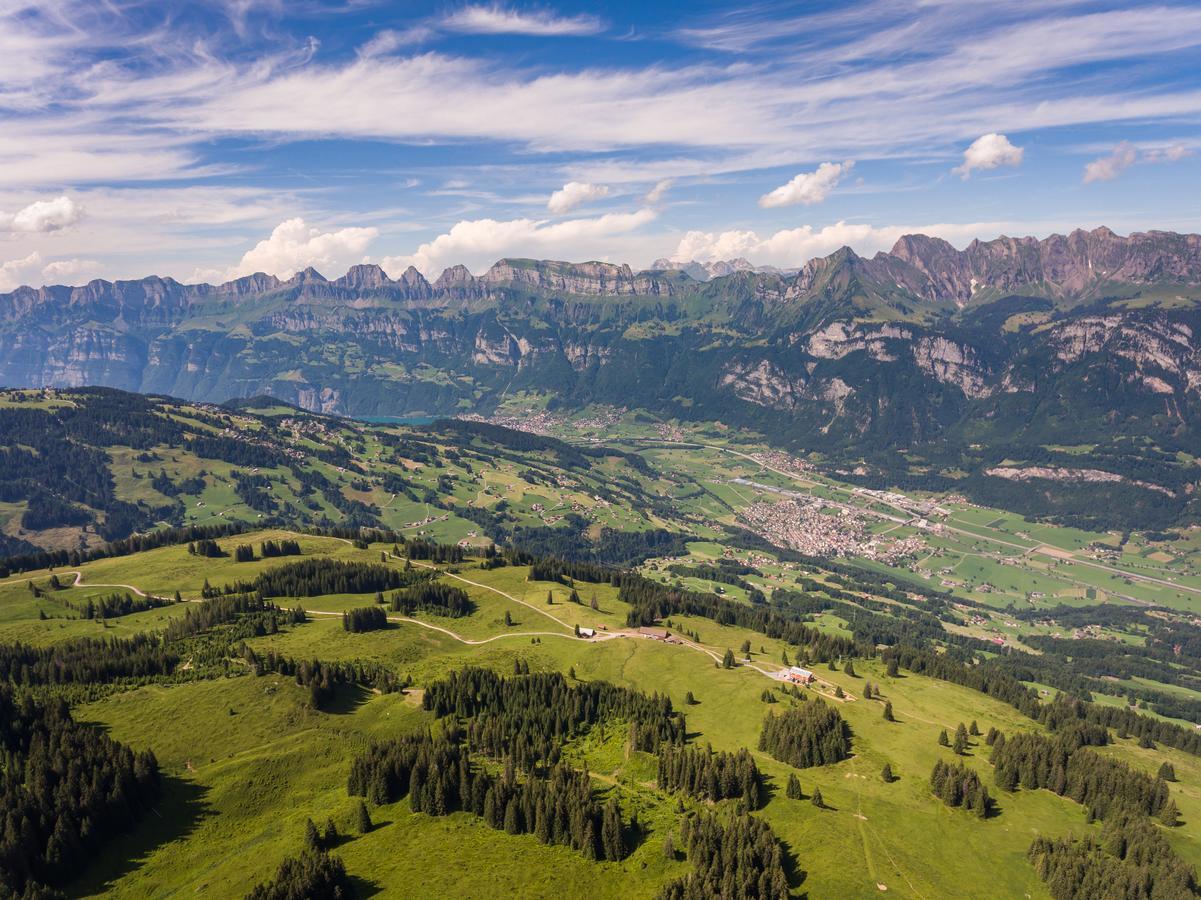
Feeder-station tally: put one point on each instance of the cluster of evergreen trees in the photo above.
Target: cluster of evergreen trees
(707, 775)
(740, 860)
(957, 785)
(431, 551)
(320, 575)
(244, 553)
(1061, 764)
(282, 547)
(652, 601)
(439, 777)
(1132, 860)
(312, 874)
(529, 716)
(85, 661)
(548, 568)
(366, 618)
(206, 547)
(811, 734)
(323, 678)
(115, 605)
(65, 789)
(432, 597)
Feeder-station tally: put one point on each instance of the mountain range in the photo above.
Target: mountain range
(922, 362)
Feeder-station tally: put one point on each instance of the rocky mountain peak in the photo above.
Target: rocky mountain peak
(364, 276)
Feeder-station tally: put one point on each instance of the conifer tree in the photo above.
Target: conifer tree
(943, 740)
(1167, 772)
(888, 714)
(886, 773)
(363, 818)
(727, 661)
(793, 790)
(816, 798)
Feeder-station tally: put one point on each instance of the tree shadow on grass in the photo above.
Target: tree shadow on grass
(792, 871)
(364, 887)
(347, 698)
(179, 811)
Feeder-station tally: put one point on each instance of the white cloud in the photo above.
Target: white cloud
(1107, 168)
(17, 272)
(989, 151)
(496, 19)
(294, 246)
(1125, 155)
(659, 191)
(478, 243)
(793, 247)
(574, 194)
(1172, 153)
(390, 40)
(69, 271)
(808, 187)
(43, 216)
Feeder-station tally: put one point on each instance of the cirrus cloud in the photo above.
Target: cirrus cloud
(498, 19)
(989, 151)
(808, 187)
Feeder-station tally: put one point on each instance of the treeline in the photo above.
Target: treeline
(50, 559)
(433, 597)
(111, 606)
(1132, 860)
(811, 734)
(86, 660)
(528, 717)
(957, 785)
(989, 678)
(548, 568)
(65, 789)
(439, 778)
(366, 618)
(319, 576)
(707, 775)
(1059, 764)
(740, 860)
(652, 601)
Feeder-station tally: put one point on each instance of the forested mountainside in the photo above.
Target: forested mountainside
(1012, 343)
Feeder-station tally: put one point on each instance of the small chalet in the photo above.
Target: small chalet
(797, 675)
(587, 632)
(655, 634)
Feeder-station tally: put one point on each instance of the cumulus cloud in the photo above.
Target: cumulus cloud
(793, 247)
(477, 243)
(43, 217)
(294, 245)
(989, 151)
(574, 194)
(497, 19)
(69, 271)
(808, 187)
(17, 272)
(1107, 168)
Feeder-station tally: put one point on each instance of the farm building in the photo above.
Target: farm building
(587, 632)
(657, 634)
(797, 675)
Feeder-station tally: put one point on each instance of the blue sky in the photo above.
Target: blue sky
(211, 140)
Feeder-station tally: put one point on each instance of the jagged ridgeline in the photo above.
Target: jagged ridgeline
(958, 357)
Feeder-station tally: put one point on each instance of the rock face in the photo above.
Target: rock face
(1085, 331)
